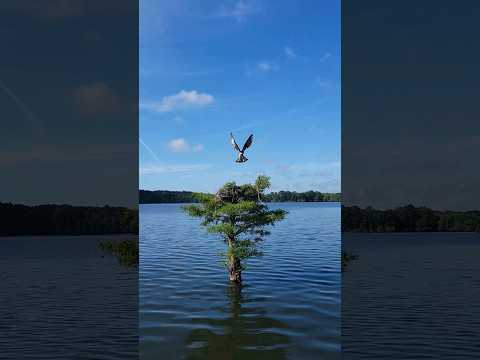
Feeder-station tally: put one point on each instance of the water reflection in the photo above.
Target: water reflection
(246, 333)
(293, 291)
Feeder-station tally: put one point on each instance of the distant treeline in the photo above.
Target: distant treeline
(66, 220)
(309, 196)
(408, 218)
(163, 196)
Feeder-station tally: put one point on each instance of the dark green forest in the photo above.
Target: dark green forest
(408, 219)
(163, 196)
(309, 196)
(66, 220)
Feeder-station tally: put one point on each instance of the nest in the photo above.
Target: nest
(234, 194)
(230, 194)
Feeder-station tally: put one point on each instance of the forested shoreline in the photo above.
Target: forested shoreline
(164, 196)
(408, 219)
(66, 220)
(84, 220)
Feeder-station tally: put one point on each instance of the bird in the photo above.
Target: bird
(241, 157)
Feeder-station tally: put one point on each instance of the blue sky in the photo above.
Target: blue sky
(271, 68)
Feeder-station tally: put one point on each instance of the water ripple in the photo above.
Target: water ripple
(61, 300)
(411, 296)
(288, 307)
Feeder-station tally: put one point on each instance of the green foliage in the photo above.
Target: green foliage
(309, 196)
(126, 251)
(163, 196)
(262, 183)
(238, 214)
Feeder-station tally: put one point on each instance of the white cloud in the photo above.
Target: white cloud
(178, 145)
(289, 53)
(264, 66)
(267, 66)
(239, 10)
(325, 57)
(182, 145)
(182, 100)
(255, 69)
(166, 169)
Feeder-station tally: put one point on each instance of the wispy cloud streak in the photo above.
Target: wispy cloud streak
(182, 100)
(30, 116)
(239, 10)
(168, 169)
(149, 150)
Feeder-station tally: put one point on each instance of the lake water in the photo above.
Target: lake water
(60, 299)
(288, 307)
(412, 296)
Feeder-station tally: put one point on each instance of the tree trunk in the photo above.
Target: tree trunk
(234, 265)
(234, 270)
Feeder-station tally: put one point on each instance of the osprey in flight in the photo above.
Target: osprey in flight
(241, 158)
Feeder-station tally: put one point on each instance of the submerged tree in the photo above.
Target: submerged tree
(238, 214)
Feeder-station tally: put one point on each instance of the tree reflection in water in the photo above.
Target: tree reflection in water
(247, 333)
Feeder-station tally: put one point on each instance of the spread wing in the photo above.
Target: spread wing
(248, 143)
(234, 144)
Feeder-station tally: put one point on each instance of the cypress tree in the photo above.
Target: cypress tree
(238, 214)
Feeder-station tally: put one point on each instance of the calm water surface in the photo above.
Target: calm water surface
(288, 307)
(412, 296)
(60, 299)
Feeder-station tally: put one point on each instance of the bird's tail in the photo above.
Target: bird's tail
(241, 158)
